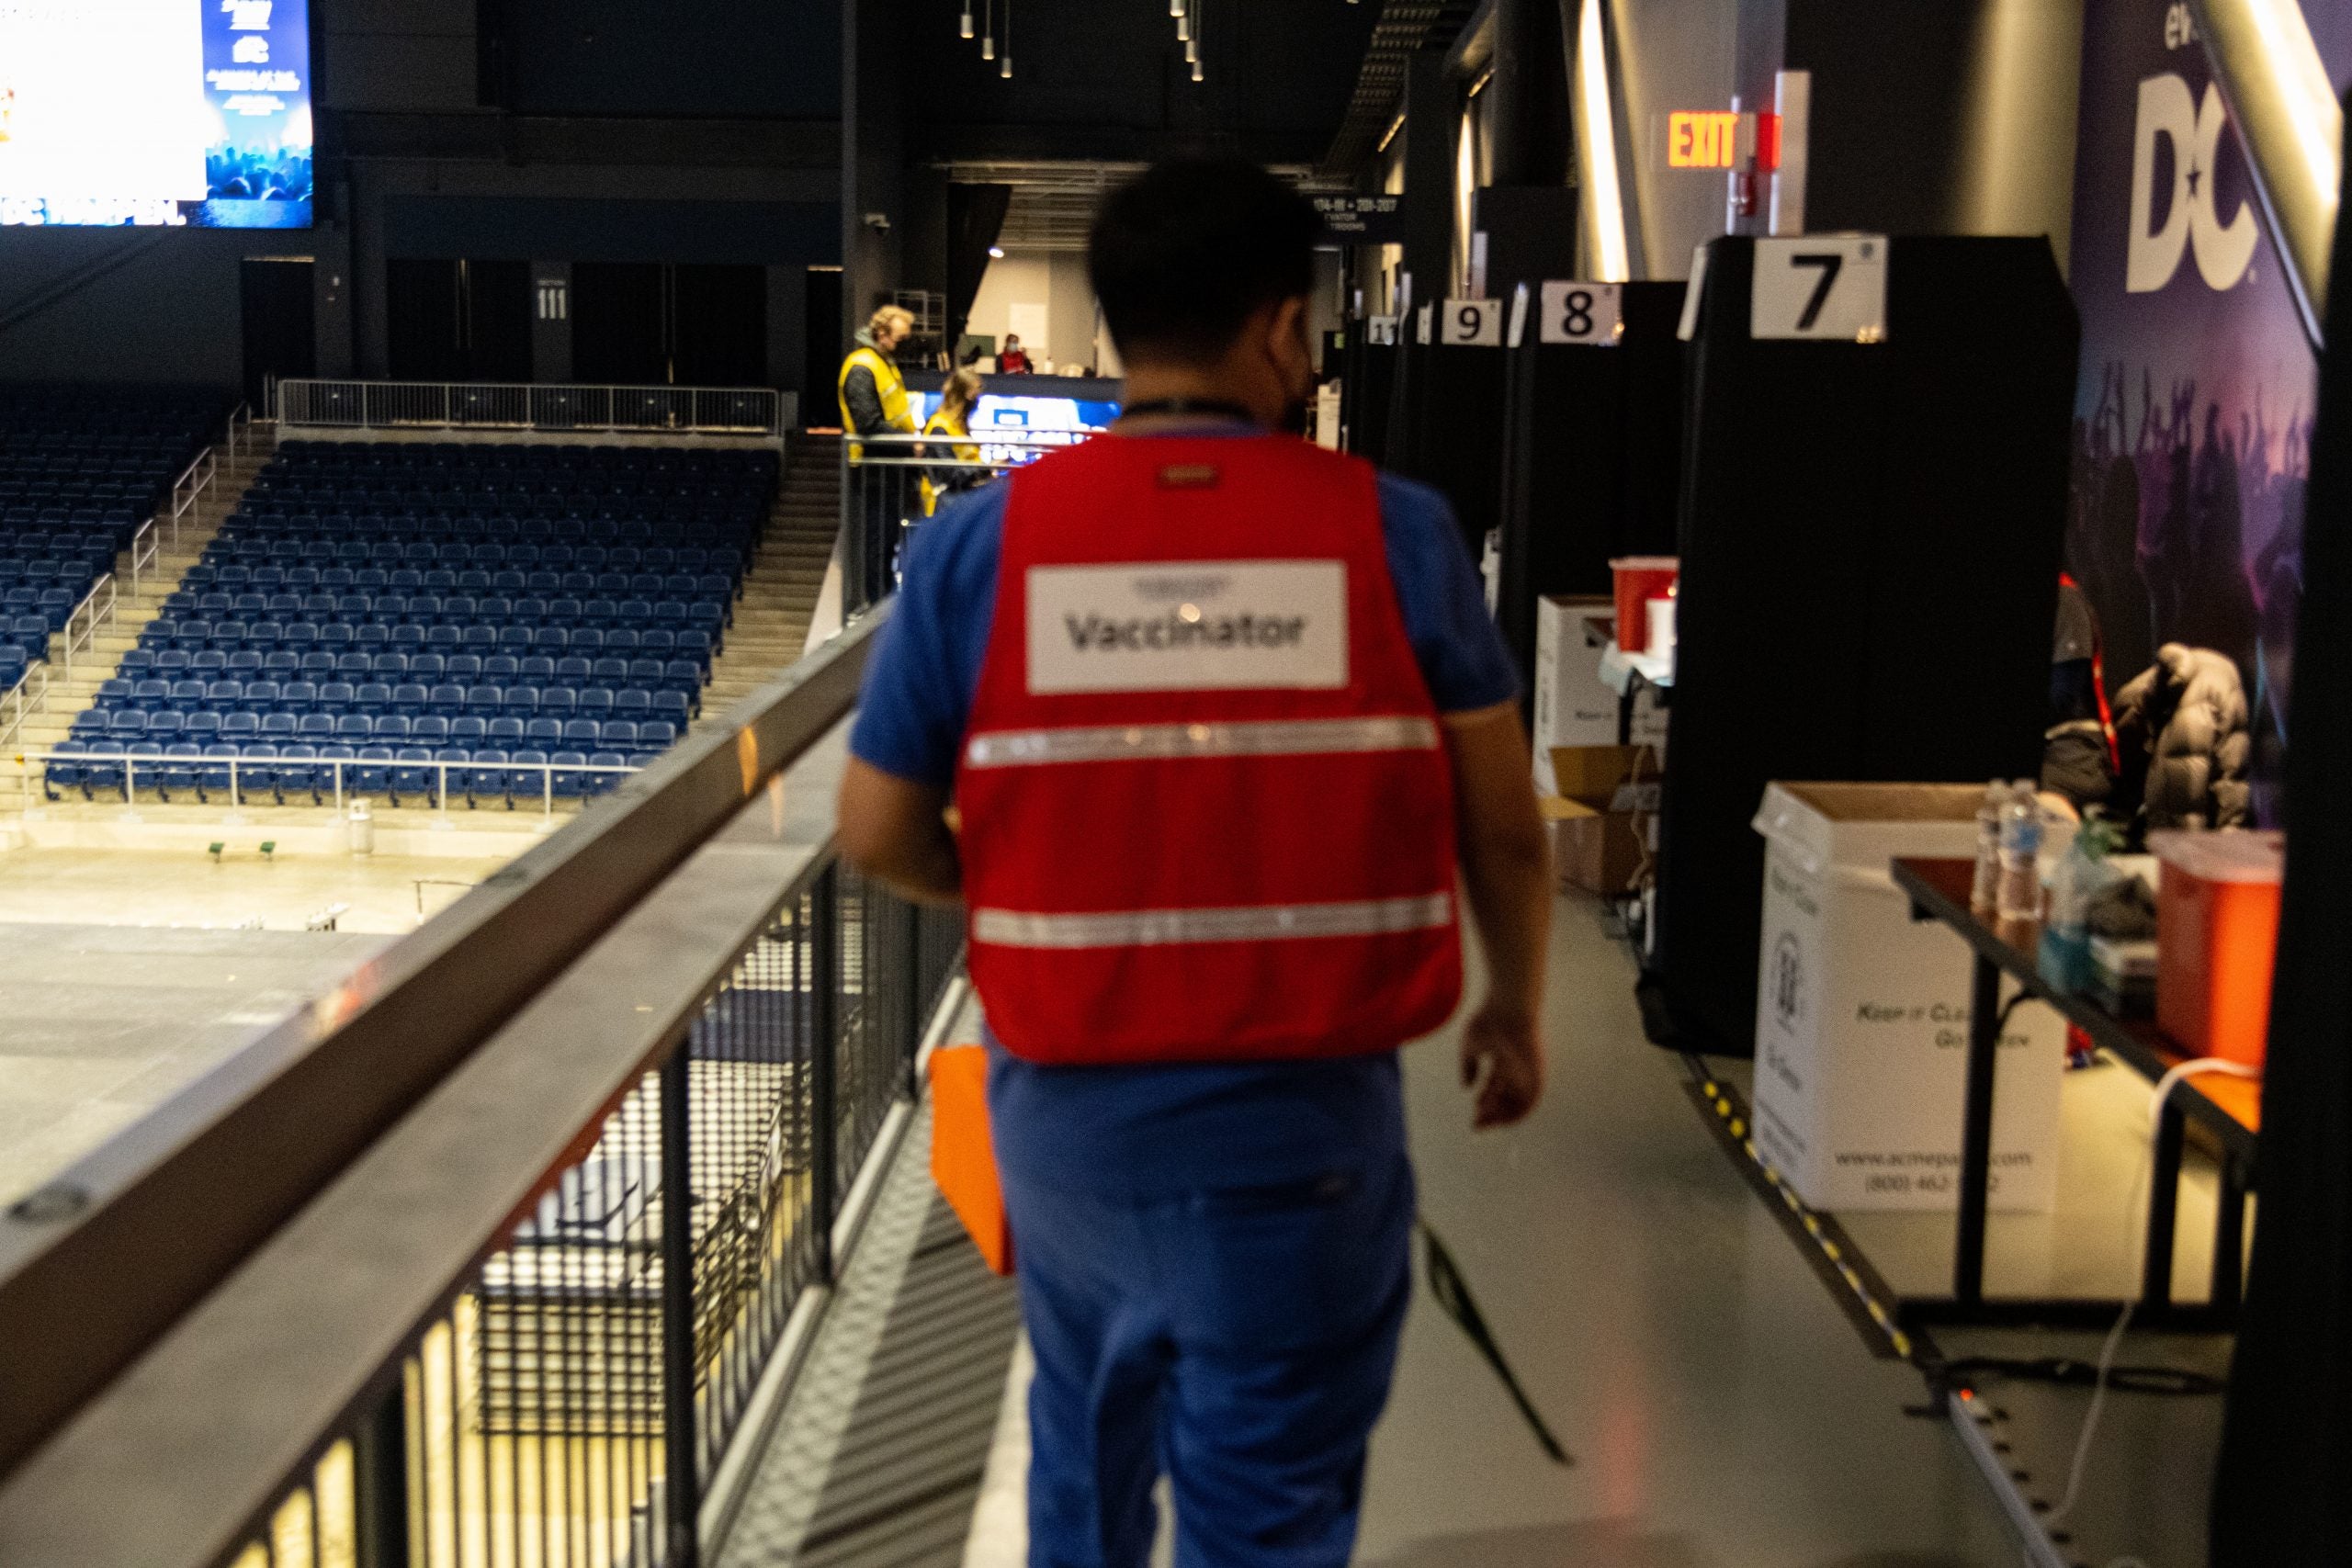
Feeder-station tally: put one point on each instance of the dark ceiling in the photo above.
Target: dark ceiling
(1107, 79)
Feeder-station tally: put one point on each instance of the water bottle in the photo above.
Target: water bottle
(1984, 895)
(2020, 891)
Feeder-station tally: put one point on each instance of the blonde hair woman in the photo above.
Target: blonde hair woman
(954, 418)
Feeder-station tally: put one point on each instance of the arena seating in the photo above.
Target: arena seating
(80, 470)
(410, 609)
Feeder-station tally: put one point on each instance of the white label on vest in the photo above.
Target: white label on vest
(1189, 626)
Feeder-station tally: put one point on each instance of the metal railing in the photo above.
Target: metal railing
(890, 483)
(328, 781)
(429, 405)
(80, 634)
(186, 495)
(27, 696)
(493, 1254)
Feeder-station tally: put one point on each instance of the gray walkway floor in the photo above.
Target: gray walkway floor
(1723, 1411)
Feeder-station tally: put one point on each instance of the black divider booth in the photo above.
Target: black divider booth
(1445, 425)
(1591, 460)
(1869, 538)
(1368, 374)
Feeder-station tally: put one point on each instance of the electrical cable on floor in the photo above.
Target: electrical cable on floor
(2144, 1174)
(1452, 1293)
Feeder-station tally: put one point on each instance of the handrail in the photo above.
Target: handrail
(81, 629)
(2288, 116)
(21, 701)
(190, 1193)
(162, 767)
(146, 549)
(448, 405)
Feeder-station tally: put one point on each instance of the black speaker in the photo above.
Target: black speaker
(1592, 459)
(1869, 535)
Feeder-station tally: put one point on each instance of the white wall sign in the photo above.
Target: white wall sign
(1380, 330)
(1581, 314)
(1422, 325)
(1472, 324)
(1822, 287)
(1516, 334)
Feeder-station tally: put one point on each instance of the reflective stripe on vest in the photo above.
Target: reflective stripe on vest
(1163, 927)
(1277, 738)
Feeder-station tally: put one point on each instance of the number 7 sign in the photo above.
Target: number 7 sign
(1824, 288)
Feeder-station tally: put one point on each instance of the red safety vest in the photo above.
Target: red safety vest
(1207, 812)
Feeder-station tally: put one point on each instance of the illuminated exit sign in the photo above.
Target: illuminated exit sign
(1722, 139)
(1703, 139)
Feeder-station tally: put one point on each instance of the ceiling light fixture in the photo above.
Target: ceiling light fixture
(996, 253)
(967, 18)
(1193, 44)
(988, 38)
(1007, 71)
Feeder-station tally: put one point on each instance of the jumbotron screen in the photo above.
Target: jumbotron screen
(159, 113)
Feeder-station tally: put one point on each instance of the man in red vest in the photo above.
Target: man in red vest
(1229, 733)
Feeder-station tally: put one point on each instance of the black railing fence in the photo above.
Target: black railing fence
(614, 1341)
(528, 1324)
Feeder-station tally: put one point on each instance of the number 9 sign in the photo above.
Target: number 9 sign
(1586, 313)
(1471, 324)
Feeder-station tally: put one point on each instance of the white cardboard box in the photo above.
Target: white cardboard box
(1861, 1017)
(1572, 705)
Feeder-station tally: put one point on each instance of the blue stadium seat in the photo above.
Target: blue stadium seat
(656, 736)
(570, 786)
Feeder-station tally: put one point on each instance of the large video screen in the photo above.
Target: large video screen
(159, 113)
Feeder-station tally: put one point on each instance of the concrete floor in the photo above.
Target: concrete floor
(186, 887)
(100, 1024)
(1722, 1411)
(127, 973)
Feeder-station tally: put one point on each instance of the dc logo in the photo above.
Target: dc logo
(2194, 133)
(1788, 980)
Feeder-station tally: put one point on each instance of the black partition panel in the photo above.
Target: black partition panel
(2287, 1439)
(1446, 428)
(1870, 537)
(1363, 395)
(1592, 455)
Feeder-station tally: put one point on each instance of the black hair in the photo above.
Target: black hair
(1182, 255)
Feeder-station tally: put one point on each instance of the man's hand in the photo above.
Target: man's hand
(1503, 1058)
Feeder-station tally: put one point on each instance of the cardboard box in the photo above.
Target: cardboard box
(1599, 820)
(1861, 1018)
(1572, 706)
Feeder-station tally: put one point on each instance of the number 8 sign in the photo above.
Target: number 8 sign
(1471, 324)
(1581, 314)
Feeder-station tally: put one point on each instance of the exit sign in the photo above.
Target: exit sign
(1703, 139)
(1722, 139)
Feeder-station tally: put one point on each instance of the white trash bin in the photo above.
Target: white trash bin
(1861, 1015)
(362, 824)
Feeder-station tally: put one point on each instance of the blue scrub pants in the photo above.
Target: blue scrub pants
(1238, 1339)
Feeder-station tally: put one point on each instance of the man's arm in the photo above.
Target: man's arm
(1507, 868)
(865, 402)
(896, 830)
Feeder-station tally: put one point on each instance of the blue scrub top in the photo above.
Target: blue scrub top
(1148, 1132)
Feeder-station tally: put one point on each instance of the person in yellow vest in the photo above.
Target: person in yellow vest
(873, 393)
(954, 418)
(874, 402)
